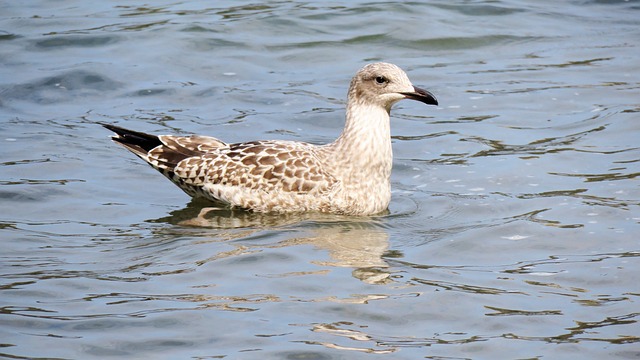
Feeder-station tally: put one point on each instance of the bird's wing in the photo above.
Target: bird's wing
(175, 149)
(265, 167)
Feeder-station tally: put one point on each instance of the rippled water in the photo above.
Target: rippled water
(513, 229)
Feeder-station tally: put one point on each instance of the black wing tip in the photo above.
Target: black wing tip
(132, 138)
(117, 129)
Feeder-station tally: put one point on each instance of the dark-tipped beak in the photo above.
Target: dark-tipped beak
(421, 95)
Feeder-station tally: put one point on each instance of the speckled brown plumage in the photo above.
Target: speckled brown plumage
(349, 176)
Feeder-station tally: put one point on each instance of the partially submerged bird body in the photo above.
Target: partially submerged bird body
(348, 176)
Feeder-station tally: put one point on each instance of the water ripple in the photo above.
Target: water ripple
(514, 214)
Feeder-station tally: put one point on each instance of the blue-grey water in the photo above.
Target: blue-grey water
(513, 232)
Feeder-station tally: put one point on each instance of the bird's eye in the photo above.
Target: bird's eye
(381, 79)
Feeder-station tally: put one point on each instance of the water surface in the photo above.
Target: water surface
(513, 228)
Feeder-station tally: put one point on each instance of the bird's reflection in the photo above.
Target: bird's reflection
(354, 242)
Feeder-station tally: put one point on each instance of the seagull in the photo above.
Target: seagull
(349, 176)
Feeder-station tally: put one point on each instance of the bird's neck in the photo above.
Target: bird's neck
(363, 150)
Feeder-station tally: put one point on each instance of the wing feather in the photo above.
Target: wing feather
(261, 175)
(248, 173)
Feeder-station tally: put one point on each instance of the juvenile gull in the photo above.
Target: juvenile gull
(348, 176)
